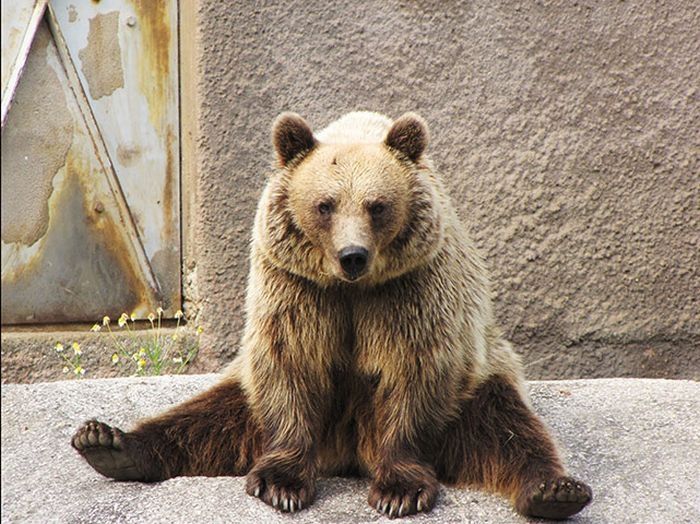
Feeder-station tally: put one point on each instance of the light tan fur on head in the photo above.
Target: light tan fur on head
(362, 182)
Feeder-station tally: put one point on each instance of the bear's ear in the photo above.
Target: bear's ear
(409, 135)
(291, 137)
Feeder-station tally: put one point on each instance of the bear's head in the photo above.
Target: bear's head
(356, 207)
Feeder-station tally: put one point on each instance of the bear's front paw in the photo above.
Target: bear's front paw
(557, 499)
(401, 497)
(280, 487)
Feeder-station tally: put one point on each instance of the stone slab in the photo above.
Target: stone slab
(635, 441)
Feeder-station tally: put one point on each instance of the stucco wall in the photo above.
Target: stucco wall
(568, 132)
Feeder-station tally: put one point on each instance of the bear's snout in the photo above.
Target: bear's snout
(353, 260)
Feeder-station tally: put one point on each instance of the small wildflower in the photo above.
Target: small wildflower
(174, 337)
(105, 320)
(65, 369)
(179, 314)
(59, 347)
(95, 328)
(151, 317)
(142, 352)
(177, 360)
(115, 358)
(141, 363)
(135, 356)
(123, 320)
(76, 348)
(79, 370)
(199, 330)
(133, 317)
(159, 311)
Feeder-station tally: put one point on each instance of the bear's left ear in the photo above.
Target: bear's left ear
(409, 135)
(291, 137)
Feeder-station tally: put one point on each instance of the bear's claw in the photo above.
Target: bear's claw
(285, 493)
(400, 500)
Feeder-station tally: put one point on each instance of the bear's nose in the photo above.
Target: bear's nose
(353, 260)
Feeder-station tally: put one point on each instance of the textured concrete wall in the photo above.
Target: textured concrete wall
(569, 134)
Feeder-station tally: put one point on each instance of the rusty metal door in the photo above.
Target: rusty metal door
(90, 159)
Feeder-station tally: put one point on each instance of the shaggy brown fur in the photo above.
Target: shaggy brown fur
(370, 347)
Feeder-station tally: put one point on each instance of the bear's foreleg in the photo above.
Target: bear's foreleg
(210, 435)
(405, 418)
(292, 342)
(500, 444)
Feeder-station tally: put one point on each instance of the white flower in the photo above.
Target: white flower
(76, 348)
(177, 360)
(59, 347)
(105, 320)
(95, 328)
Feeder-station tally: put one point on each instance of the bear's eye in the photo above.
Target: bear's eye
(377, 209)
(325, 208)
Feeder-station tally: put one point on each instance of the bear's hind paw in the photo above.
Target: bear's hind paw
(558, 499)
(103, 447)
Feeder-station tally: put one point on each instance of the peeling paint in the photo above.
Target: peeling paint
(84, 264)
(35, 142)
(128, 155)
(101, 59)
(139, 123)
(155, 67)
(77, 274)
(118, 74)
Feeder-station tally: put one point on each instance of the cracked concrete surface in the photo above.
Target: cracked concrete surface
(635, 441)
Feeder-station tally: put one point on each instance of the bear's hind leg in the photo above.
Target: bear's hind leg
(210, 435)
(501, 445)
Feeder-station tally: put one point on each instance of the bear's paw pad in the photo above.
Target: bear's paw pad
(400, 499)
(103, 448)
(280, 489)
(559, 498)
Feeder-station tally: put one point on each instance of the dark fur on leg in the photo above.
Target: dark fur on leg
(209, 435)
(500, 444)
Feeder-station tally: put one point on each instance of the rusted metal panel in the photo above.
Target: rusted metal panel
(20, 19)
(90, 166)
(68, 250)
(126, 56)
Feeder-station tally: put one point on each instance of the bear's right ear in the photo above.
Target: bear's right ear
(409, 135)
(291, 137)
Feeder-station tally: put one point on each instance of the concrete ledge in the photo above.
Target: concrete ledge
(635, 441)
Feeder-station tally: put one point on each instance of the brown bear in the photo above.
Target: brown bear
(370, 346)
